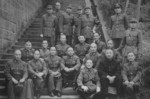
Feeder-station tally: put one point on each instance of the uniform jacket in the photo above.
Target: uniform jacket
(61, 49)
(27, 55)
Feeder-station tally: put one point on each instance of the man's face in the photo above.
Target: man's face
(70, 51)
(45, 44)
(36, 54)
(49, 11)
(81, 39)
(69, 10)
(133, 25)
(28, 45)
(109, 54)
(93, 47)
(118, 10)
(96, 36)
(87, 11)
(18, 54)
(53, 51)
(110, 44)
(131, 57)
(89, 64)
(79, 12)
(58, 6)
(63, 39)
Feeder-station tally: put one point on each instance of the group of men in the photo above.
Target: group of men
(87, 64)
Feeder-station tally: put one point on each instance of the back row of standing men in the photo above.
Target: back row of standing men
(101, 63)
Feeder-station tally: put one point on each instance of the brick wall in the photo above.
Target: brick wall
(14, 16)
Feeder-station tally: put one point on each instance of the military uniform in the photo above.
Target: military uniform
(118, 25)
(132, 42)
(67, 26)
(100, 46)
(77, 23)
(89, 78)
(17, 69)
(44, 53)
(81, 50)
(87, 24)
(37, 66)
(59, 24)
(69, 78)
(54, 65)
(112, 68)
(61, 49)
(132, 72)
(94, 56)
(27, 55)
(49, 25)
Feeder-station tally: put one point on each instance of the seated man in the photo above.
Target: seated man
(109, 70)
(88, 81)
(70, 65)
(27, 52)
(44, 52)
(37, 72)
(100, 44)
(16, 74)
(54, 73)
(62, 46)
(93, 55)
(82, 48)
(131, 75)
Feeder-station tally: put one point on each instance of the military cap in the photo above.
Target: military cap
(117, 5)
(79, 8)
(87, 7)
(49, 7)
(69, 6)
(133, 20)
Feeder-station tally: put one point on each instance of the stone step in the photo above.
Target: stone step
(48, 97)
(2, 81)
(2, 75)
(31, 40)
(3, 90)
(10, 51)
(4, 61)
(6, 55)
(22, 43)
(19, 47)
(2, 67)
(32, 34)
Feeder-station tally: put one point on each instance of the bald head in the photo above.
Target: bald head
(17, 54)
(58, 5)
(36, 54)
(93, 47)
(28, 45)
(53, 51)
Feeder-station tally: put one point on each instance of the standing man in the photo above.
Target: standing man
(88, 24)
(67, 24)
(59, 18)
(118, 25)
(49, 24)
(77, 23)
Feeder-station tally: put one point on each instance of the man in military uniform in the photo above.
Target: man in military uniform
(70, 65)
(93, 55)
(131, 74)
(82, 48)
(16, 74)
(54, 73)
(44, 52)
(132, 42)
(37, 72)
(67, 26)
(118, 25)
(77, 23)
(59, 24)
(109, 71)
(49, 26)
(62, 46)
(88, 24)
(27, 52)
(100, 44)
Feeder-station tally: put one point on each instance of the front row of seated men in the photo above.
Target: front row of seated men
(84, 69)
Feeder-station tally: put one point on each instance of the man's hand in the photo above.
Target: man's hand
(111, 79)
(61, 33)
(71, 69)
(66, 69)
(126, 82)
(15, 81)
(22, 80)
(85, 88)
(98, 89)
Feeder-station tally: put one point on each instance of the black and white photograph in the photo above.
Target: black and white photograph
(74, 49)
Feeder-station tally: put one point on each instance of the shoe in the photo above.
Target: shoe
(38, 96)
(66, 85)
(52, 94)
(58, 94)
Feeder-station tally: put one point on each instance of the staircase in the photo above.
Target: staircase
(31, 34)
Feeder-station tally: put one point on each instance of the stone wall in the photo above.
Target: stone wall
(14, 16)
